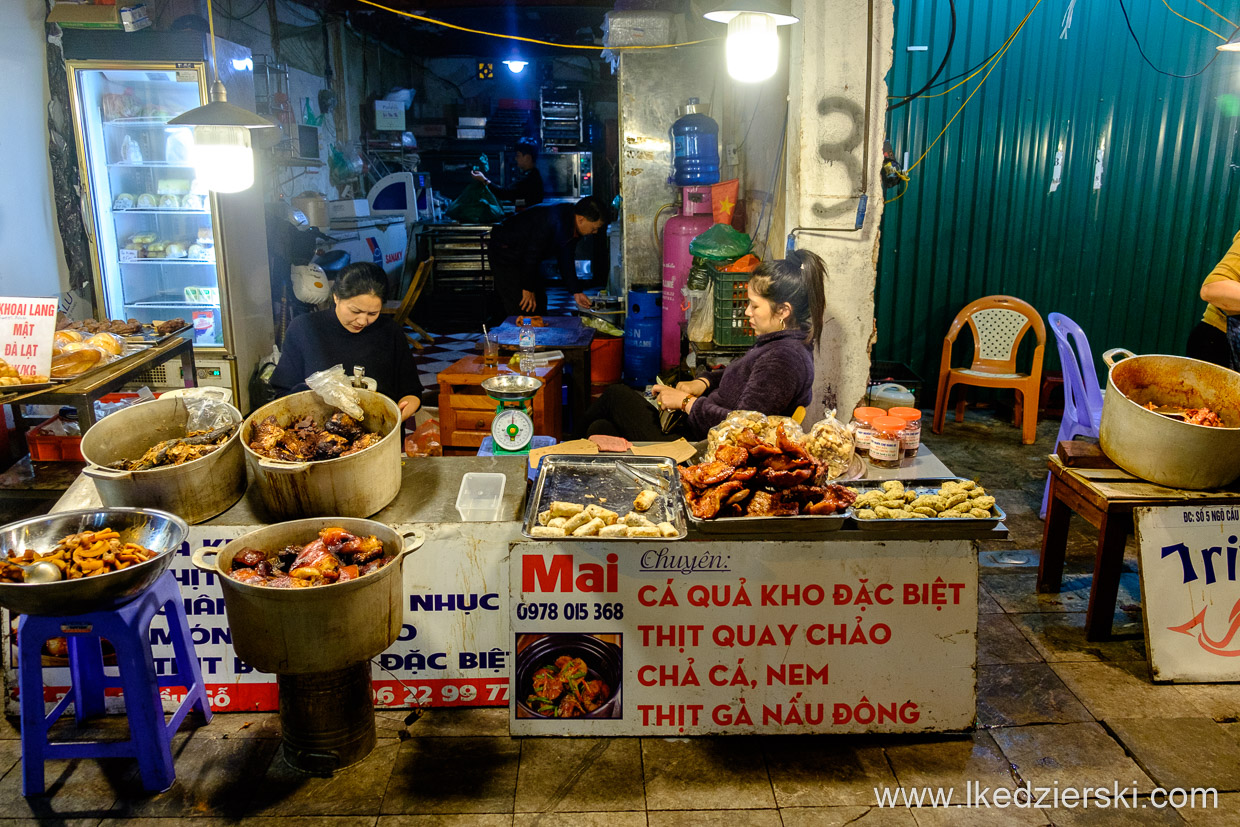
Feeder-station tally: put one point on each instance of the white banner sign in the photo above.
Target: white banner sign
(27, 327)
(1190, 596)
(451, 652)
(742, 637)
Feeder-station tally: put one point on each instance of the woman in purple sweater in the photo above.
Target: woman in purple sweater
(775, 376)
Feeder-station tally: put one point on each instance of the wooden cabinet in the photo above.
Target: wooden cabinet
(465, 410)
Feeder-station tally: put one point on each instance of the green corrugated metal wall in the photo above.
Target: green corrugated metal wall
(1126, 260)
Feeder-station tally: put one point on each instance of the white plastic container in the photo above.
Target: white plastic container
(890, 395)
(478, 500)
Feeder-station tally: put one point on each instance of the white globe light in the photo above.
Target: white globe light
(222, 158)
(752, 47)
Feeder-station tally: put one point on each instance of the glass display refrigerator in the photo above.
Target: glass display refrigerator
(162, 246)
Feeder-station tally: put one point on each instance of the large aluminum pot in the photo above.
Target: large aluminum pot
(355, 486)
(195, 491)
(157, 531)
(319, 628)
(1158, 448)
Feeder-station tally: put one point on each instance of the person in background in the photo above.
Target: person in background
(527, 186)
(353, 334)
(521, 242)
(1208, 341)
(775, 376)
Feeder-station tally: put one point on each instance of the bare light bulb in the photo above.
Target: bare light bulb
(752, 47)
(222, 158)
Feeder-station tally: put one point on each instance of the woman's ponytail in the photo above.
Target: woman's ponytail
(799, 281)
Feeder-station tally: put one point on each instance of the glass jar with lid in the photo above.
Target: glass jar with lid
(863, 428)
(912, 428)
(886, 443)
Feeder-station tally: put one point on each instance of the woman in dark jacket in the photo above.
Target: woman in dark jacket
(775, 376)
(353, 334)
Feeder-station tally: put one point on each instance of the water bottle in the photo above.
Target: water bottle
(526, 340)
(695, 147)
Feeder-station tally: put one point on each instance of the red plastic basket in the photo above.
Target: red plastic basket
(45, 447)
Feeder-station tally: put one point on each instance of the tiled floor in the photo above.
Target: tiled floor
(1053, 710)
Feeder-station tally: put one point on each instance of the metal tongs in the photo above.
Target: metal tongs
(642, 478)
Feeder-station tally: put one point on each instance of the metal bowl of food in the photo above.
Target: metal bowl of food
(159, 532)
(511, 387)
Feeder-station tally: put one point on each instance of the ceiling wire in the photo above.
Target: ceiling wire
(951, 41)
(1151, 64)
(447, 25)
(1216, 14)
(1194, 22)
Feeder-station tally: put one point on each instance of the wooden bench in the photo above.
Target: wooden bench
(1105, 495)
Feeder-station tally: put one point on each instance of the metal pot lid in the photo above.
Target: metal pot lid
(510, 387)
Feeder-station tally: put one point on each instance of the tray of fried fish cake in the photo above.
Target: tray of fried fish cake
(924, 505)
(605, 498)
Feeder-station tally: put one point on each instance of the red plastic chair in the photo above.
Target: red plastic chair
(998, 323)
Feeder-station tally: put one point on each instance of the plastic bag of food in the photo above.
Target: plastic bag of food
(207, 414)
(727, 431)
(337, 390)
(721, 243)
(831, 443)
(701, 315)
(424, 441)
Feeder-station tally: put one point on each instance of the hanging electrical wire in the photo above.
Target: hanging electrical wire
(970, 71)
(901, 195)
(1216, 14)
(951, 41)
(1151, 64)
(423, 19)
(1194, 22)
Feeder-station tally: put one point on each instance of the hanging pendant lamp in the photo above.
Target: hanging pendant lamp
(222, 155)
(752, 45)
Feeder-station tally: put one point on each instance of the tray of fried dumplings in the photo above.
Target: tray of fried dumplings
(606, 498)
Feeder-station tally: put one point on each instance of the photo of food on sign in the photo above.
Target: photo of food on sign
(568, 675)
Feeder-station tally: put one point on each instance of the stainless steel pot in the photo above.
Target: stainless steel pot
(355, 486)
(195, 491)
(316, 629)
(160, 532)
(1160, 449)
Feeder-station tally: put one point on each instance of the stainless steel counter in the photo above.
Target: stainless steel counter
(428, 492)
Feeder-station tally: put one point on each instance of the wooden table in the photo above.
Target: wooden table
(465, 410)
(84, 391)
(1106, 498)
(567, 334)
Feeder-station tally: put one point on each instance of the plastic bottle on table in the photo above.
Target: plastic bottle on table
(526, 341)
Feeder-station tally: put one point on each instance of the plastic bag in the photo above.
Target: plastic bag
(424, 441)
(701, 326)
(261, 391)
(207, 414)
(601, 325)
(476, 205)
(721, 243)
(831, 443)
(765, 427)
(337, 390)
(744, 264)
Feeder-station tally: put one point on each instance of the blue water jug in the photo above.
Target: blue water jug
(695, 147)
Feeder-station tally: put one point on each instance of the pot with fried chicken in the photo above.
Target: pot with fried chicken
(306, 457)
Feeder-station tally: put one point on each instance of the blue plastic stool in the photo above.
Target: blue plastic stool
(128, 630)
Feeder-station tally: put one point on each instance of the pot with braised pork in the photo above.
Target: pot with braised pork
(1171, 420)
(312, 595)
(179, 455)
(307, 457)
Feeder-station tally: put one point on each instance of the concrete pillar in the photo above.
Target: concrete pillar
(840, 53)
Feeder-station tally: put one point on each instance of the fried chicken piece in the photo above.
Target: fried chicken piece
(344, 425)
(732, 455)
(790, 446)
(708, 503)
(786, 479)
(707, 474)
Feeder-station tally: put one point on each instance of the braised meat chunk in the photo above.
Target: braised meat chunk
(335, 556)
(306, 441)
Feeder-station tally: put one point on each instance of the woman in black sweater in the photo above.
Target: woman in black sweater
(775, 376)
(353, 334)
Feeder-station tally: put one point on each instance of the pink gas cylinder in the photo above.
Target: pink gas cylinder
(695, 218)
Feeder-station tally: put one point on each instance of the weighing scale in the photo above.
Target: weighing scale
(512, 429)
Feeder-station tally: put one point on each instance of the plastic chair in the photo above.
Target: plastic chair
(998, 324)
(1082, 398)
(401, 310)
(128, 630)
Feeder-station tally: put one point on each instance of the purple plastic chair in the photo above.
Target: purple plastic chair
(1082, 398)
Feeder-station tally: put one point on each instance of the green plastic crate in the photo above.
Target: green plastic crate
(731, 298)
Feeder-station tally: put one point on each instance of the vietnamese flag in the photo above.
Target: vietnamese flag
(723, 199)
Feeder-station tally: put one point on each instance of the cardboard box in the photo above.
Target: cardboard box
(90, 16)
(349, 208)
